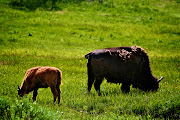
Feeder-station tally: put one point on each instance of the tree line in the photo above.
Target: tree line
(33, 4)
(50, 4)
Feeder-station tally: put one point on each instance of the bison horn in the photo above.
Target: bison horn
(160, 79)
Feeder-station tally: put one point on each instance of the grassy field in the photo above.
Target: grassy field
(61, 37)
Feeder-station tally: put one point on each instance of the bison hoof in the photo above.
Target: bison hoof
(125, 92)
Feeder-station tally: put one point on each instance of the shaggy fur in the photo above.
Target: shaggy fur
(41, 77)
(126, 65)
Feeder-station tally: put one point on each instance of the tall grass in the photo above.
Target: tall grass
(11, 109)
(61, 38)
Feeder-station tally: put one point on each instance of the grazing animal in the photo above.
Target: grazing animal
(41, 77)
(126, 65)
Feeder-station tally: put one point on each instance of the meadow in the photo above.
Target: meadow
(62, 36)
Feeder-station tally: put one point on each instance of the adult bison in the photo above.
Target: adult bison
(41, 77)
(126, 65)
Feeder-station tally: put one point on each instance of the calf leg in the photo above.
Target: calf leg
(34, 95)
(58, 93)
(54, 93)
(97, 85)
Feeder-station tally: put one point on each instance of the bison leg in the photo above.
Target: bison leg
(125, 87)
(90, 82)
(90, 77)
(34, 95)
(97, 85)
(58, 93)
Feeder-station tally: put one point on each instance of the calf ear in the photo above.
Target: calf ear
(160, 79)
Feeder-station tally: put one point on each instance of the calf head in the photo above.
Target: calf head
(20, 92)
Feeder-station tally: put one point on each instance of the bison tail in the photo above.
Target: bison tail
(87, 55)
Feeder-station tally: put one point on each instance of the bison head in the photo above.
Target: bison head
(154, 85)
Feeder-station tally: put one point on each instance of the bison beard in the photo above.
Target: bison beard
(126, 65)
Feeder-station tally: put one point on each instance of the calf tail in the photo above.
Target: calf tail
(59, 78)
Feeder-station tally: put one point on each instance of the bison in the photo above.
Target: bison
(126, 65)
(41, 77)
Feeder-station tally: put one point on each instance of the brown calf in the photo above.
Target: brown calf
(41, 77)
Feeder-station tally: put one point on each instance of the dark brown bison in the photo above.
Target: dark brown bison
(41, 77)
(126, 65)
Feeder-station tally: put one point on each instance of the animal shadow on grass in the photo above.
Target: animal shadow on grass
(117, 91)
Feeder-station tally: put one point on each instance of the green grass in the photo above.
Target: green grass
(61, 38)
